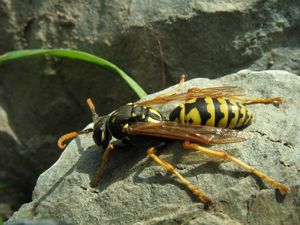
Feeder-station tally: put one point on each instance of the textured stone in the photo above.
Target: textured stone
(41, 222)
(134, 190)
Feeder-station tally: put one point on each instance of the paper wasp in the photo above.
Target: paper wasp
(214, 115)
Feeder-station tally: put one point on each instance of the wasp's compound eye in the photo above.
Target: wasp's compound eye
(101, 136)
(98, 135)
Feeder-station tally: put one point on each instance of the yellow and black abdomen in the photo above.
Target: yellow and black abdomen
(214, 112)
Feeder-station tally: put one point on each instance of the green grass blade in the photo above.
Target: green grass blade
(74, 54)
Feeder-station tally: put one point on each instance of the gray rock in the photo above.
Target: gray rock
(41, 222)
(279, 59)
(134, 190)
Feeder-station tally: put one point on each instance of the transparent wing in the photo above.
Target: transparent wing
(195, 133)
(194, 93)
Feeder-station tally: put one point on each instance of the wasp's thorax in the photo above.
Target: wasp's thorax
(130, 114)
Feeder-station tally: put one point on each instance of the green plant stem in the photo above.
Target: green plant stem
(74, 54)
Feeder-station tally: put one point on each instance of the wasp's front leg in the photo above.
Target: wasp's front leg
(100, 170)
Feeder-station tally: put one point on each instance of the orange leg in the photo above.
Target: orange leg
(164, 98)
(100, 170)
(226, 156)
(170, 168)
(276, 100)
(175, 90)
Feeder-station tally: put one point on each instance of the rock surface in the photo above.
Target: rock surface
(42, 222)
(134, 190)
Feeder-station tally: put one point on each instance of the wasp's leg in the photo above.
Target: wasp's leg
(176, 89)
(276, 100)
(170, 168)
(164, 98)
(100, 170)
(224, 155)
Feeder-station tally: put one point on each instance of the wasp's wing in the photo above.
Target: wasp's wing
(195, 133)
(194, 93)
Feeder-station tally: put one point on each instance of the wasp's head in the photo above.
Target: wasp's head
(101, 134)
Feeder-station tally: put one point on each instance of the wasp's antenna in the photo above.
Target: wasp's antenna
(62, 139)
(74, 134)
(91, 105)
(71, 135)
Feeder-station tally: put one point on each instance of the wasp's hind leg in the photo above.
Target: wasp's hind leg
(248, 101)
(172, 169)
(224, 155)
(100, 170)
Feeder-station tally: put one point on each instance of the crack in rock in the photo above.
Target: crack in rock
(287, 144)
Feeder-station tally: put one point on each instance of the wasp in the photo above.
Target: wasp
(214, 115)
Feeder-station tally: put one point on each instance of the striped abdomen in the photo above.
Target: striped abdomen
(215, 112)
